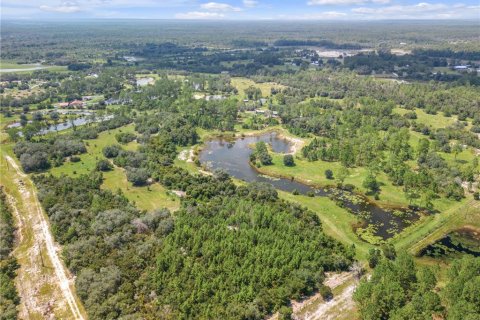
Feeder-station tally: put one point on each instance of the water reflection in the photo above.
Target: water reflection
(233, 157)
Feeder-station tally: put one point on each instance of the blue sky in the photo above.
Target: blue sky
(242, 9)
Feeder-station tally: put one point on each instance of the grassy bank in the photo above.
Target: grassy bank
(313, 173)
(337, 222)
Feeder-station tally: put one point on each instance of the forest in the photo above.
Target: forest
(357, 160)
(8, 294)
(111, 247)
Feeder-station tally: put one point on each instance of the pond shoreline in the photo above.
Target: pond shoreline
(231, 153)
(309, 183)
(299, 143)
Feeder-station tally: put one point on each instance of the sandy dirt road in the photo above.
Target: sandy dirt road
(339, 307)
(44, 284)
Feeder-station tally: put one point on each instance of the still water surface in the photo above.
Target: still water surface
(233, 157)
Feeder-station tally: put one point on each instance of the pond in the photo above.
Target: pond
(76, 122)
(64, 125)
(233, 157)
(461, 241)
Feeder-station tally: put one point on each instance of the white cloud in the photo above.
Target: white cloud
(422, 10)
(217, 6)
(64, 7)
(316, 16)
(343, 2)
(199, 15)
(250, 3)
(89, 4)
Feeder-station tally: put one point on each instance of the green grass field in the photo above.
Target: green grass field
(314, 173)
(434, 121)
(243, 83)
(14, 65)
(4, 121)
(146, 197)
(94, 153)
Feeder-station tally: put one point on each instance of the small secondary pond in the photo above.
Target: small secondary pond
(65, 125)
(73, 123)
(462, 241)
(233, 157)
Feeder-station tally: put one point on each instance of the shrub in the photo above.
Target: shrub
(265, 159)
(329, 174)
(261, 153)
(35, 162)
(111, 151)
(125, 137)
(475, 129)
(311, 194)
(374, 256)
(410, 115)
(371, 183)
(104, 165)
(389, 251)
(285, 313)
(326, 292)
(137, 176)
(288, 160)
(476, 195)
(74, 159)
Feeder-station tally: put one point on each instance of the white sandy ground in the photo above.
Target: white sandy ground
(318, 309)
(330, 310)
(327, 309)
(31, 278)
(186, 155)
(297, 143)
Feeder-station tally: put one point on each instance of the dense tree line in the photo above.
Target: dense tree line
(9, 299)
(433, 97)
(39, 156)
(449, 53)
(247, 247)
(116, 251)
(365, 63)
(399, 289)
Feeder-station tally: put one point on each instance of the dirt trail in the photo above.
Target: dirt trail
(43, 282)
(315, 308)
(340, 304)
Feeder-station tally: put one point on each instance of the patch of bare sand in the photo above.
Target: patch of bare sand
(315, 307)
